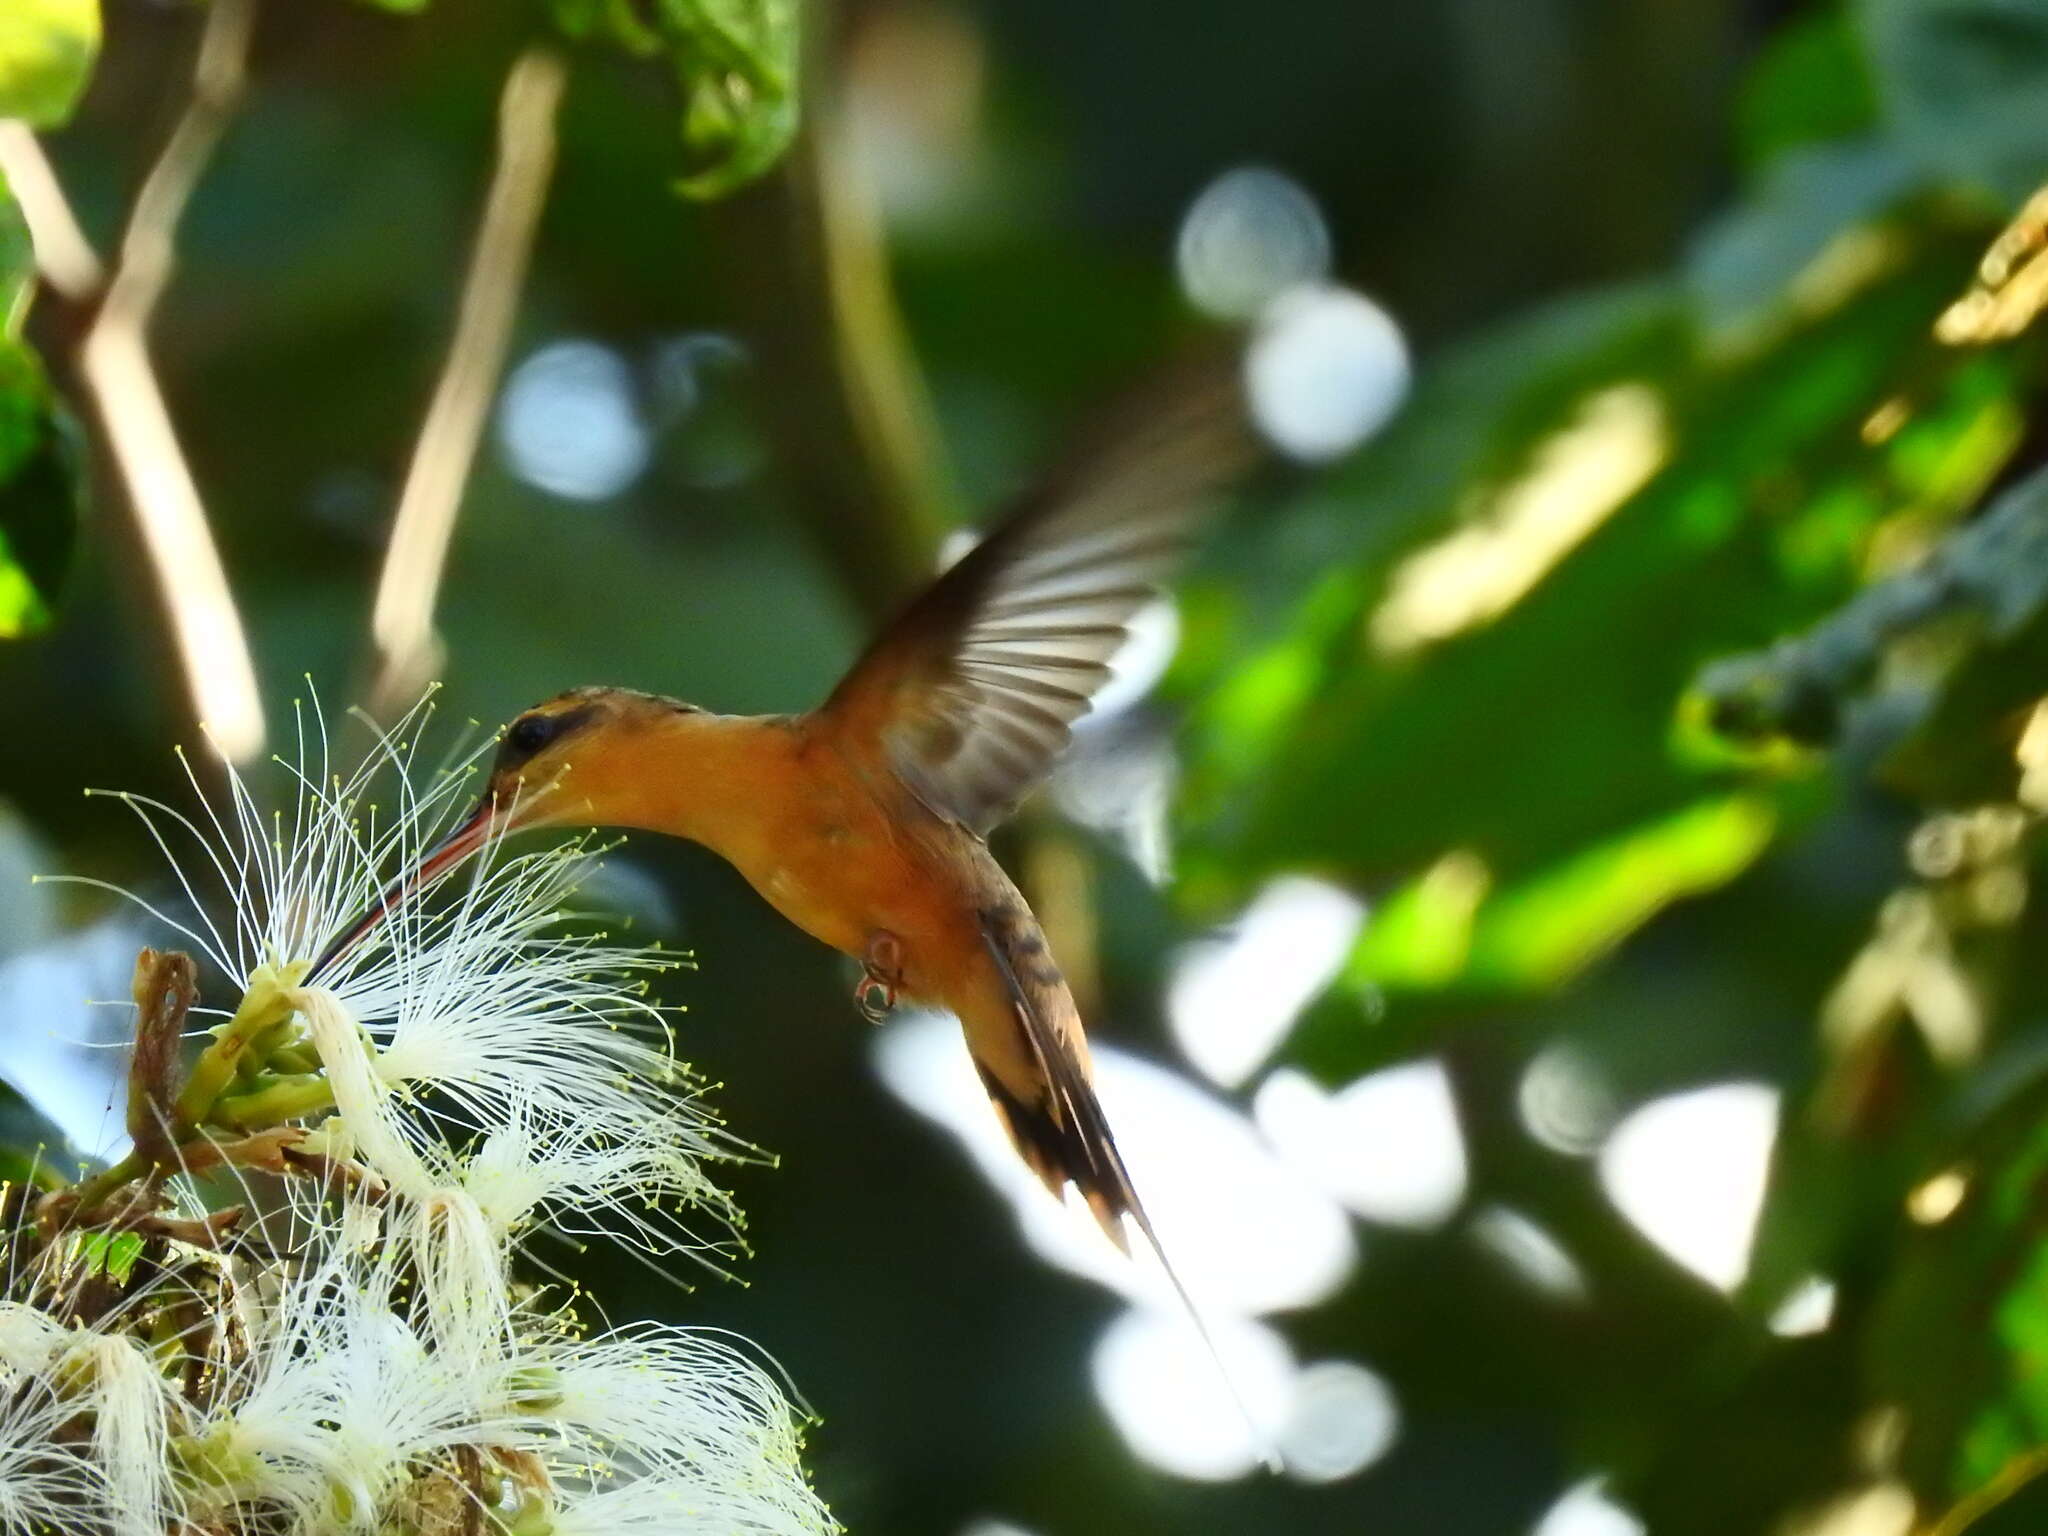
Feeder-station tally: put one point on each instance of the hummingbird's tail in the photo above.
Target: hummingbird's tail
(1061, 1131)
(1063, 1135)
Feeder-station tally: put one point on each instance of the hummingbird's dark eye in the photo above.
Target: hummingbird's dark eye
(529, 733)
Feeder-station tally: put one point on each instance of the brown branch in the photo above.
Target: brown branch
(165, 989)
(402, 621)
(215, 670)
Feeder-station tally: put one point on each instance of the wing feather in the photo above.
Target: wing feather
(972, 692)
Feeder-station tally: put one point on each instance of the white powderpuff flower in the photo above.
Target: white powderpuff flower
(465, 1019)
(288, 883)
(49, 1374)
(496, 1075)
(678, 1506)
(632, 1172)
(129, 1399)
(349, 1389)
(484, 1002)
(340, 1399)
(635, 1185)
(708, 1433)
(45, 1484)
(30, 1341)
(485, 1021)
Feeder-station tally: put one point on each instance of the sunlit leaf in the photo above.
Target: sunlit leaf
(47, 48)
(1453, 930)
(17, 264)
(1547, 929)
(737, 63)
(112, 1254)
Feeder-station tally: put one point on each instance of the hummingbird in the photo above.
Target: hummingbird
(864, 821)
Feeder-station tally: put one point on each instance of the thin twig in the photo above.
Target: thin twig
(215, 667)
(64, 256)
(2002, 1486)
(402, 622)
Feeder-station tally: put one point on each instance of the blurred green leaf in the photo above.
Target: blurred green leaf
(1450, 932)
(1743, 270)
(1544, 931)
(1965, 85)
(47, 49)
(2015, 1504)
(1676, 499)
(32, 1151)
(737, 62)
(1960, 1335)
(1951, 719)
(1810, 85)
(39, 466)
(17, 264)
(39, 457)
(1259, 657)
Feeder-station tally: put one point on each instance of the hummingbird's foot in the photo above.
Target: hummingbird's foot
(881, 977)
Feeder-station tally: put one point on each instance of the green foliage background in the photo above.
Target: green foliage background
(1719, 794)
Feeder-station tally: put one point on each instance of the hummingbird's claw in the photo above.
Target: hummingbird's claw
(874, 997)
(881, 977)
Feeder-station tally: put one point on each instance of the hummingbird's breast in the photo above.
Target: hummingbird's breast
(843, 862)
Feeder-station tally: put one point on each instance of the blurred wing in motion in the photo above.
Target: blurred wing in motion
(971, 691)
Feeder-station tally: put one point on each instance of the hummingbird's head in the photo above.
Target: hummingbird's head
(559, 761)
(574, 760)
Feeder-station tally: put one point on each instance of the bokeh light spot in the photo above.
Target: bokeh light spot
(1174, 1409)
(569, 423)
(63, 1055)
(1689, 1171)
(1527, 1249)
(700, 392)
(1514, 535)
(1586, 1510)
(1808, 1308)
(1388, 1146)
(1233, 998)
(1327, 369)
(1251, 235)
(1247, 1233)
(1565, 1101)
(1343, 1419)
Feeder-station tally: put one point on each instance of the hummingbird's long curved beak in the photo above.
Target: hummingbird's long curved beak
(471, 834)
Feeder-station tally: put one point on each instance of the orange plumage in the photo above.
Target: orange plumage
(862, 821)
